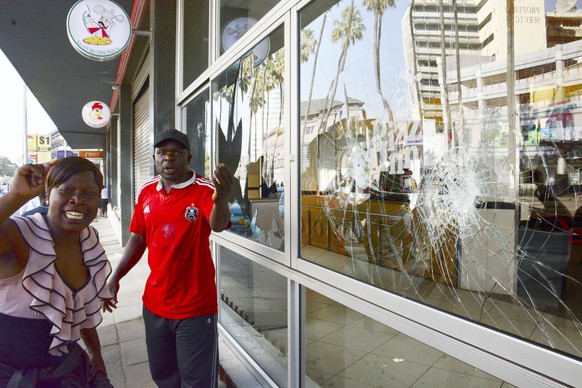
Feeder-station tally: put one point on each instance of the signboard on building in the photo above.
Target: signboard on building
(43, 143)
(98, 29)
(64, 153)
(38, 148)
(235, 29)
(530, 26)
(31, 143)
(43, 156)
(96, 114)
(31, 157)
(91, 154)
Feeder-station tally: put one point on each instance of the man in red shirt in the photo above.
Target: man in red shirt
(173, 217)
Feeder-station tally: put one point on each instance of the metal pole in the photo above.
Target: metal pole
(445, 96)
(513, 156)
(25, 123)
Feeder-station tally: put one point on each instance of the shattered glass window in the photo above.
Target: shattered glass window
(248, 113)
(441, 152)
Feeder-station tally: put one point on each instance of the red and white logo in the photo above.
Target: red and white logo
(98, 29)
(96, 114)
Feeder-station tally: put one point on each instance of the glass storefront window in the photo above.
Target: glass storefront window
(237, 17)
(253, 309)
(248, 113)
(418, 179)
(347, 349)
(195, 39)
(196, 116)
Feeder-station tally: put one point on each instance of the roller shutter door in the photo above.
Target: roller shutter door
(142, 150)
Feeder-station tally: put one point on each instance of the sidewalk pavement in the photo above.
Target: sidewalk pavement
(122, 332)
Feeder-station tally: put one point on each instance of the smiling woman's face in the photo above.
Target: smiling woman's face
(73, 204)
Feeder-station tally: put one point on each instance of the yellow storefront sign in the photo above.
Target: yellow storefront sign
(43, 156)
(43, 143)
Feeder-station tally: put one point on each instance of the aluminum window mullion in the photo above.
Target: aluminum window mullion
(295, 324)
(293, 139)
(214, 32)
(296, 292)
(179, 64)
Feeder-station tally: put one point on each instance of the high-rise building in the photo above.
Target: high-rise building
(475, 32)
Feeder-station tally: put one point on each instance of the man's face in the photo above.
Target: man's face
(74, 203)
(172, 160)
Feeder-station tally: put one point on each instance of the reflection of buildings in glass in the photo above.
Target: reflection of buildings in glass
(547, 85)
(317, 108)
(548, 111)
(477, 36)
(563, 25)
(319, 140)
(356, 151)
(257, 113)
(423, 45)
(460, 82)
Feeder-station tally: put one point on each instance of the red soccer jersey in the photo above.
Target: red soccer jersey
(176, 229)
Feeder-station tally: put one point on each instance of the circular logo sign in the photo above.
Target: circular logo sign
(96, 114)
(98, 29)
(236, 28)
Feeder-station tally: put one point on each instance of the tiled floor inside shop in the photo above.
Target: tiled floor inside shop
(347, 349)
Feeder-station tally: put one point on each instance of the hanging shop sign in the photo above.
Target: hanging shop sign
(96, 114)
(91, 154)
(43, 143)
(236, 28)
(98, 29)
(31, 143)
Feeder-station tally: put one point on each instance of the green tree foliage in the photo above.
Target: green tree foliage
(7, 168)
(347, 30)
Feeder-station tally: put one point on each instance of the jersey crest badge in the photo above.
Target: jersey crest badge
(191, 213)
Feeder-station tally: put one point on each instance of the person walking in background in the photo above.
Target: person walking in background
(53, 273)
(173, 218)
(104, 201)
(32, 204)
(42, 208)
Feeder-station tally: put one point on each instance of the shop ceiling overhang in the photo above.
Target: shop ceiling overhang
(33, 37)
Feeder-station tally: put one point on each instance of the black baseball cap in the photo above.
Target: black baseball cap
(172, 134)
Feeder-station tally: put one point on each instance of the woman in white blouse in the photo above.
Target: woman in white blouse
(52, 275)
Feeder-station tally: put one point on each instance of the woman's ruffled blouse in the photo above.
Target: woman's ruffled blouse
(69, 311)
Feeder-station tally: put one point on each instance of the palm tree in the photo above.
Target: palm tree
(318, 44)
(348, 29)
(379, 7)
(273, 79)
(308, 43)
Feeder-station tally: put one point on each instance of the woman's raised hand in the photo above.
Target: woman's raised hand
(29, 179)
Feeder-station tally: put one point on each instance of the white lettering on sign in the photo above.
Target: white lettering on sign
(393, 149)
